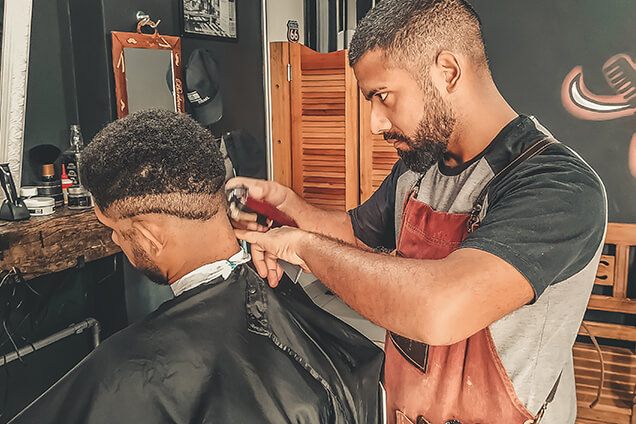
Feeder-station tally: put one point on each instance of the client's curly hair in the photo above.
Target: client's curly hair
(154, 161)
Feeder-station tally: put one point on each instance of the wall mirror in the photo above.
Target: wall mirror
(147, 70)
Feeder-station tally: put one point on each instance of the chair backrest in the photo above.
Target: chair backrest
(616, 403)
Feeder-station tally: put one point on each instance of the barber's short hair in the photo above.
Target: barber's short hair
(155, 161)
(413, 32)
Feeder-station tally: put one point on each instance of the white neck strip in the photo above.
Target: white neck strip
(209, 272)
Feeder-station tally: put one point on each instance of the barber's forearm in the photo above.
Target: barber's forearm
(396, 293)
(334, 224)
(438, 302)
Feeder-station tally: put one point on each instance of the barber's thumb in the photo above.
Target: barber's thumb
(248, 236)
(237, 181)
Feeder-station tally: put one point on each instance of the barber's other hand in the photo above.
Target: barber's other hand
(278, 243)
(270, 191)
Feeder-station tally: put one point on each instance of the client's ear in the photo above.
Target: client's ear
(152, 236)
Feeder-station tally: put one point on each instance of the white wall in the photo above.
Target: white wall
(281, 11)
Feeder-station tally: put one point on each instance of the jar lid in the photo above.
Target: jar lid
(48, 170)
(28, 191)
(54, 183)
(39, 202)
(77, 190)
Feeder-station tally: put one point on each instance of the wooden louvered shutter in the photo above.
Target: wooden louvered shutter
(324, 128)
(377, 157)
(322, 142)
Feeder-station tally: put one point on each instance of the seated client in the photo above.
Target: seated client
(227, 348)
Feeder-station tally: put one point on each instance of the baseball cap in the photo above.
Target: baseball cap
(203, 87)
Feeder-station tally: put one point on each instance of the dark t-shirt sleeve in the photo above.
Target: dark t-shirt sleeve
(374, 221)
(547, 219)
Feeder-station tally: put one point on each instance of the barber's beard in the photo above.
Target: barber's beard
(428, 145)
(144, 264)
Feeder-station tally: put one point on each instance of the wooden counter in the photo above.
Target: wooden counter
(46, 244)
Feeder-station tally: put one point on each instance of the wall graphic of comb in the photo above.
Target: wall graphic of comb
(620, 73)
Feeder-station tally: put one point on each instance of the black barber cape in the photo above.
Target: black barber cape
(228, 351)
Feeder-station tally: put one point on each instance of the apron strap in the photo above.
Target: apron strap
(535, 149)
(548, 399)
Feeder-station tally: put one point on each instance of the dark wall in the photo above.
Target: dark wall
(71, 78)
(532, 46)
(240, 61)
(51, 107)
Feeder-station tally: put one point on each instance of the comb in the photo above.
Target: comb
(620, 74)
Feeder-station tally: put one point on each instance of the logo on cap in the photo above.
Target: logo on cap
(195, 97)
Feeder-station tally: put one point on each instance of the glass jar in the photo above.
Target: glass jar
(79, 198)
(40, 206)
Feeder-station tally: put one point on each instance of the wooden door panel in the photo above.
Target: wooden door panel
(324, 149)
(377, 157)
(281, 114)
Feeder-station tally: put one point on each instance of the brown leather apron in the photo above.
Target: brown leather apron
(466, 381)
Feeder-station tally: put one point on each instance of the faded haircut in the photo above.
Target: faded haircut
(155, 161)
(412, 33)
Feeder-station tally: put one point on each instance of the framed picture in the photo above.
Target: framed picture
(209, 18)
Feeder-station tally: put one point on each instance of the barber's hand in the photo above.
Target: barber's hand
(278, 243)
(270, 191)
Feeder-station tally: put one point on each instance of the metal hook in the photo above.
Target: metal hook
(141, 15)
(145, 19)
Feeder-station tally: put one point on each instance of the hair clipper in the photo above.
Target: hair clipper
(238, 199)
(13, 208)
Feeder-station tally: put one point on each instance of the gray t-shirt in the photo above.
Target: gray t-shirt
(547, 219)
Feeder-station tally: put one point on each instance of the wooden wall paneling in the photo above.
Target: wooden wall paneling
(352, 131)
(377, 157)
(281, 114)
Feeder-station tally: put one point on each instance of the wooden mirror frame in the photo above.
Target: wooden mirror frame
(140, 40)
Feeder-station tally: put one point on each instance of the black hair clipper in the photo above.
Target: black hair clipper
(13, 208)
(238, 199)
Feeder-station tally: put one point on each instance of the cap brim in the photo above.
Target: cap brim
(211, 112)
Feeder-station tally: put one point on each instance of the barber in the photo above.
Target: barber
(496, 230)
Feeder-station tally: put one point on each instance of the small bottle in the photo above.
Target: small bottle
(72, 155)
(66, 183)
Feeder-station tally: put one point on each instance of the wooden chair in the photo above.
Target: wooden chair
(616, 403)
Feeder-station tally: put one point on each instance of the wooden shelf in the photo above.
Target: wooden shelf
(46, 244)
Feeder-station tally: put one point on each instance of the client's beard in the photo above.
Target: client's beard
(144, 264)
(433, 132)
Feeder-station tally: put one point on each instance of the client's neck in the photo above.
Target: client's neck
(197, 243)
